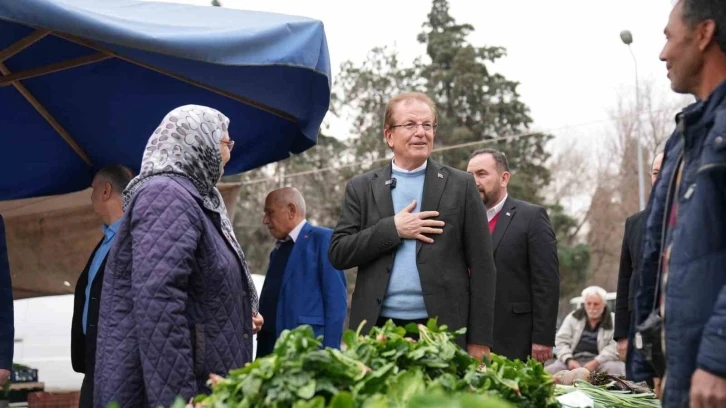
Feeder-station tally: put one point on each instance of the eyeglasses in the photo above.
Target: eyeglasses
(229, 143)
(411, 126)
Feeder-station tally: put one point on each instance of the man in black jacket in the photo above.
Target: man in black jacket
(417, 232)
(525, 253)
(630, 257)
(106, 198)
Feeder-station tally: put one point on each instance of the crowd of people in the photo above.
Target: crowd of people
(167, 298)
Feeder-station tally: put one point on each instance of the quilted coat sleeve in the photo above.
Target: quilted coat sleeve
(165, 230)
(711, 356)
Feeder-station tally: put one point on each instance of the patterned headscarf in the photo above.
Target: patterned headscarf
(187, 144)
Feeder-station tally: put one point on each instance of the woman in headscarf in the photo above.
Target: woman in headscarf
(178, 300)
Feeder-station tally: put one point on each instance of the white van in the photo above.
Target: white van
(43, 338)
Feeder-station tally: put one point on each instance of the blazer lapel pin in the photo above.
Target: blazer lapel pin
(509, 215)
(440, 175)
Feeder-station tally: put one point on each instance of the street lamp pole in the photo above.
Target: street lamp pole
(627, 39)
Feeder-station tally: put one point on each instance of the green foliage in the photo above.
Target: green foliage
(474, 104)
(574, 257)
(365, 89)
(574, 264)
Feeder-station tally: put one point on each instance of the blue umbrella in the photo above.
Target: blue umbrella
(85, 82)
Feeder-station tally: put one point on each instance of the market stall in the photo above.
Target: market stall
(387, 368)
(84, 83)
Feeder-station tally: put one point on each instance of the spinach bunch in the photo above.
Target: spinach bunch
(388, 352)
(527, 385)
(385, 368)
(297, 371)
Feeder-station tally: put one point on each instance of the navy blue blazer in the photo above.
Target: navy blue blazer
(312, 291)
(7, 329)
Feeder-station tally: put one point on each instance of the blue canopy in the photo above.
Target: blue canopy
(84, 83)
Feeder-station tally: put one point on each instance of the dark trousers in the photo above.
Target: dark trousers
(86, 397)
(402, 323)
(629, 356)
(265, 343)
(630, 350)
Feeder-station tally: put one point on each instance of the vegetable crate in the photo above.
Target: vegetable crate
(24, 375)
(53, 399)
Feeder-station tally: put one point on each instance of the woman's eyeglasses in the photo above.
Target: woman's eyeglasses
(229, 143)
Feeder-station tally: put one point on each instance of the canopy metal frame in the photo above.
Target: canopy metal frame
(14, 79)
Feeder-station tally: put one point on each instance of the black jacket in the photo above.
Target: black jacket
(528, 279)
(83, 346)
(457, 272)
(630, 256)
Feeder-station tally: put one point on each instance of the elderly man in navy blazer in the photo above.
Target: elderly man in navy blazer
(301, 286)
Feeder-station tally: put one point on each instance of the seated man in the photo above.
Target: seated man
(585, 338)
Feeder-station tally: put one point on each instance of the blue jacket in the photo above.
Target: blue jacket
(7, 328)
(695, 286)
(312, 291)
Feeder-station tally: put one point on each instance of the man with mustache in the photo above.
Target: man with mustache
(525, 253)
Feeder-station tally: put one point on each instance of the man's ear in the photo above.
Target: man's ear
(387, 135)
(107, 190)
(705, 33)
(505, 178)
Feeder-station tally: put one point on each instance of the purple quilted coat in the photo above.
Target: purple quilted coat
(175, 303)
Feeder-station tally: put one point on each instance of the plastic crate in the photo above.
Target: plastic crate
(54, 399)
(24, 375)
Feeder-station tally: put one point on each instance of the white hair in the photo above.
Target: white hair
(595, 290)
(291, 195)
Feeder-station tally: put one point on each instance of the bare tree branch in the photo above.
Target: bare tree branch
(616, 193)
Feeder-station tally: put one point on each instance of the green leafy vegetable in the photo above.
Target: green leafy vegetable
(606, 398)
(385, 368)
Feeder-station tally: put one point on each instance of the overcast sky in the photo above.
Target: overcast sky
(567, 54)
